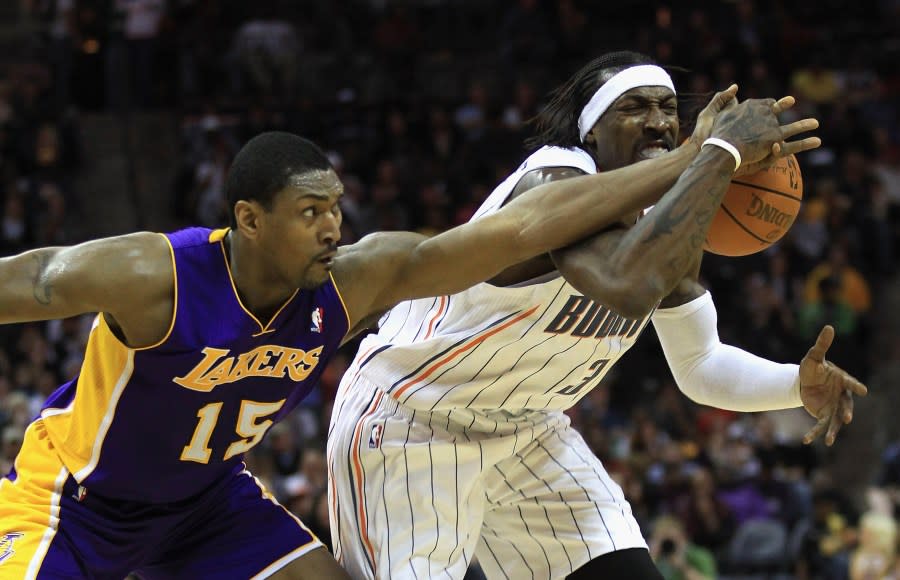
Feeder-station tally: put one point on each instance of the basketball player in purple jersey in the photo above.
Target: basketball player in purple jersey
(205, 338)
(449, 437)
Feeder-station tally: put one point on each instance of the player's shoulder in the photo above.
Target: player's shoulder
(145, 257)
(134, 248)
(127, 275)
(553, 156)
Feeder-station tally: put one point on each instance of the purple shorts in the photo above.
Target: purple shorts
(52, 528)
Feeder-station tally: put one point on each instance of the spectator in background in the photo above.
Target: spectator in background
(61, 25)
(14, 229)
(305, 487)
(523, 107)
(266, 50)
(815, 83)
(770, 321)
(809, 235)
(9, 446)
(208, 195)
(471, 116)
(283, 450)
(826, 546)
(131, 52)
(874, 557)
(827, 306)
(572, 32)
(676, 557)
(524, 36)
(707, 519)
(396, 37)
(853, 288)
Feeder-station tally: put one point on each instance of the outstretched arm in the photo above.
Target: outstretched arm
(386, 268)
(716, 374)
(129, 278)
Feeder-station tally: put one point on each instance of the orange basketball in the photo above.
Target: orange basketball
(757, 210)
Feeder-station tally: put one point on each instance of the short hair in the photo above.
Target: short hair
(557, 123)
(265, 163)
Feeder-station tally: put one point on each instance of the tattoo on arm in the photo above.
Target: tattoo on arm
(41, 287)
(670, 219)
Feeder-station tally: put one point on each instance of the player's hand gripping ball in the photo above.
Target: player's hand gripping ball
(757, 210)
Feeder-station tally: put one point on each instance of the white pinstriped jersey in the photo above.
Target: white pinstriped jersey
(536, 347)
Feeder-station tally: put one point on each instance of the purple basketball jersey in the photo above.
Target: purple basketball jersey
(163, 423)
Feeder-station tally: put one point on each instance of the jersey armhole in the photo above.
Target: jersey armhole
(161, 341)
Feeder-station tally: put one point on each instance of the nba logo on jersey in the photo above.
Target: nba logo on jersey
(375, 436)
(317, 316)
(6, 545)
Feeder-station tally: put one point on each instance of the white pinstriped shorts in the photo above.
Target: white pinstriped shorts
(413, 495)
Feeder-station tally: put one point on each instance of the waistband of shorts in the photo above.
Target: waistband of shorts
(395, 407)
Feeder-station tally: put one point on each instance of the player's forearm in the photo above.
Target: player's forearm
(559, 213)
(631, 270)
(594, 269)
(26, 292)
(661, 248)
(716, 374)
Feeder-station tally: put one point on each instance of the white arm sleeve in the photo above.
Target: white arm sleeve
(716, 374)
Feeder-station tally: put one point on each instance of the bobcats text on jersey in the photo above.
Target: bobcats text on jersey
(580, 316)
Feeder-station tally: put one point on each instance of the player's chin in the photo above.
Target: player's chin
(316, 275)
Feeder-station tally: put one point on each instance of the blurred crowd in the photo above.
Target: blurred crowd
(423, 108)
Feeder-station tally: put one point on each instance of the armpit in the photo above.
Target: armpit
(686, 290)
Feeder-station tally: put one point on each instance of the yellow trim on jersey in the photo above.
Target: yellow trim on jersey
(341, 298)
(287, 559)
(78, 431)
(313, 544)
(218, 235)
(262, 328)
(29, 506)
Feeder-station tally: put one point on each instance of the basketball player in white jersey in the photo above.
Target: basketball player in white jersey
(448, 437)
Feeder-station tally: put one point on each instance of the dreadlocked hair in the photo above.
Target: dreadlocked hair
(557, 123)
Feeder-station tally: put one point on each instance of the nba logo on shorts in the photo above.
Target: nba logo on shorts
(6, 545)
(375, 436)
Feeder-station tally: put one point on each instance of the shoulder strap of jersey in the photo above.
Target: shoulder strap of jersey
(546, 156)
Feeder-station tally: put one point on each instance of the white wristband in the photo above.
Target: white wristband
(722, 143)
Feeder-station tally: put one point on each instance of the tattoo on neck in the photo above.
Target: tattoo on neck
(41, 287)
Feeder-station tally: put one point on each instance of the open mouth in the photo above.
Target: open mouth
(327, 259)
(653, 149)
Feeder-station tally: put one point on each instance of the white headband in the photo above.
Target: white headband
(645, 75)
